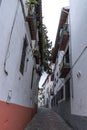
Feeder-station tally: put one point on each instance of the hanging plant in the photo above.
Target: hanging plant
(29, 2)
(35, 52)
(36, 55)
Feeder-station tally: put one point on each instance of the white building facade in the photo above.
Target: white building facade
(48, 91)
(70, 96)
(18, 87)
(79, 53)
(61, 58)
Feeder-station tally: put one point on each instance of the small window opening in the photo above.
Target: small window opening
(25, 44)
(67, 89)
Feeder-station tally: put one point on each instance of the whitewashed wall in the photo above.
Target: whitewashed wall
(59, 84)
(35, 87)
(46, 92)
(11, 17)
(78, 23)
(25, 7)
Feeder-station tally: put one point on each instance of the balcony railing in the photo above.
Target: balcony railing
(64, 37)
(31, 19)
(64, 69)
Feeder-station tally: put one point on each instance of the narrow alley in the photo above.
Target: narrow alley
(43, 80)
(46, 119)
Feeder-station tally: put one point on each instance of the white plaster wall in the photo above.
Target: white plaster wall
(78, 27)
(78, 21)
(19, 85)
(35, 87)
(49, 96)
(25, 7)
(33, 44)
(60, 83)
(46, 92)
(55, 76)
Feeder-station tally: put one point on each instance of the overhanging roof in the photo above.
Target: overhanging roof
(63, 17)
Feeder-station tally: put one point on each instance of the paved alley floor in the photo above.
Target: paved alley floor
(47, 119)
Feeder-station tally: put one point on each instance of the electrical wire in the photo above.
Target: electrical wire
(7, 52)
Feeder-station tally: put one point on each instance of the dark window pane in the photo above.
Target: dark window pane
(32, 78)
(67, 89)
(67, 56)
(25, 44)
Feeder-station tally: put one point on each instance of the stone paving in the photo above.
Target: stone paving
(46, 119)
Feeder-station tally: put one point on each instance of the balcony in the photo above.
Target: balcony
(64, 69)
(31, 19)
(64, 37)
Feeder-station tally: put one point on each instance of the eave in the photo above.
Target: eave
(62, 21)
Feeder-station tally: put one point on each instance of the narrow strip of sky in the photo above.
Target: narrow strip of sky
(51, 10)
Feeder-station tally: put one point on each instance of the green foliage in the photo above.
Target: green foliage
(36, 53)
(28, 2)
(47, 52)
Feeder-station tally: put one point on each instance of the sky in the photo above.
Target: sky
(51, 10)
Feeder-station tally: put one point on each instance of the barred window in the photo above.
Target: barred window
(32, 77)
(25, 44)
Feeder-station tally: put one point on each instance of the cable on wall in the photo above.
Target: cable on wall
(7, 52)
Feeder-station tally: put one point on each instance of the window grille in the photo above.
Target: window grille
(22, 65)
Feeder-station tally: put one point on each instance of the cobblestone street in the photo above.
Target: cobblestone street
(47, 119)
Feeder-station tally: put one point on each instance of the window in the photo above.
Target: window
(60, 95)
(25, 44)
(67, 56)
(57, 81)
(32, 77)
(57, 73)
(67, 89)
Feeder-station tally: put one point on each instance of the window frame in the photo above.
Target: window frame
(23, 55)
